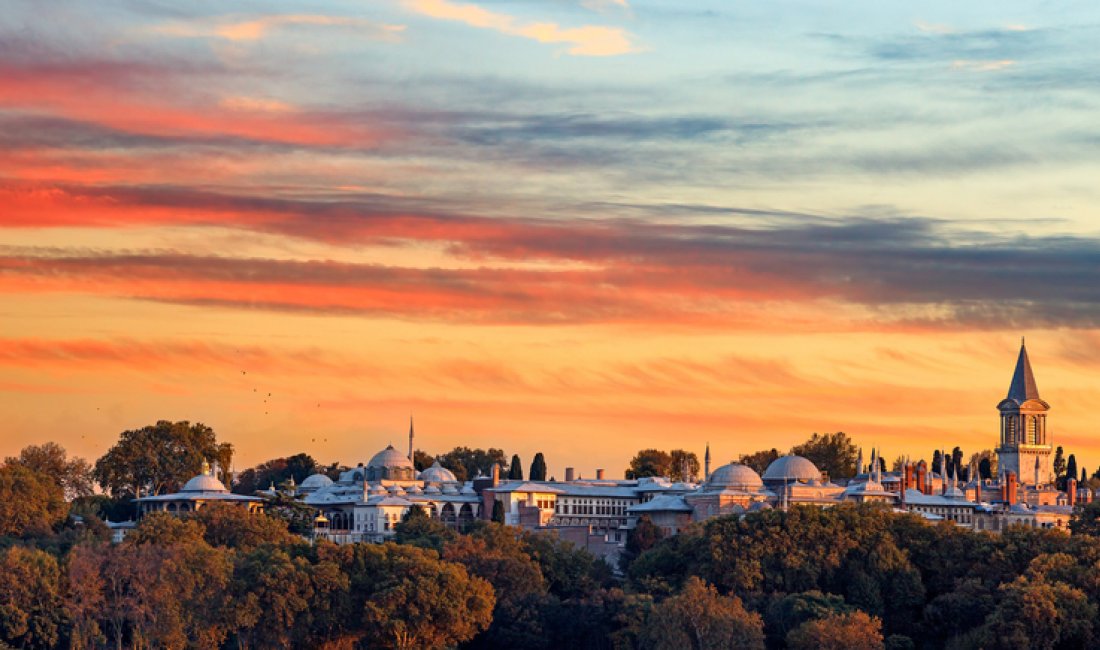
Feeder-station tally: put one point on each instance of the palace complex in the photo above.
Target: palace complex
(366, 502)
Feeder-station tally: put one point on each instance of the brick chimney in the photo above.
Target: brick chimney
(569, 474)
(1011, 489)
(496, 474)
(1071, 491)
(599, 475)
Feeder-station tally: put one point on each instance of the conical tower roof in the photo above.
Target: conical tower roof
(1023, 386)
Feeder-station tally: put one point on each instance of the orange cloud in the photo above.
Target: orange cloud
(589, 40)
(257, 28)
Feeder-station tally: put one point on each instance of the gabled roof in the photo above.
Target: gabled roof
(1023, 386)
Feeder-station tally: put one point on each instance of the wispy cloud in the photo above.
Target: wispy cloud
(587, 40)
(235, 29)
(982, 66)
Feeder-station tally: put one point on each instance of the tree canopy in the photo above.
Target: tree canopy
(159, 458)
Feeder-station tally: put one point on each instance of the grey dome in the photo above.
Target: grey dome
(390, 457)
(735, 476)
(787, 468)
(204, 483)
(438, 474)
(316, 482)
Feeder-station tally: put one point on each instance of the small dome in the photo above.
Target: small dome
(316, 482)
(397, 490)
(204, 483)
(468, 489)
(450, 489)
(788, 468)
(431, 489)
(415, 490)
(735, 476)
(437, 474)
(390, 457)
(376, 489)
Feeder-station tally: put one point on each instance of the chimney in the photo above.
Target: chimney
(599, 475)
(1010, 486)
(978, 490)
(496, 474)
(1071, 491)
(568, 474)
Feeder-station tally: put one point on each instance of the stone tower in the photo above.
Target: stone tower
(1024, 441)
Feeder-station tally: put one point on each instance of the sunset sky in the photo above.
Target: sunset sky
(581, 227)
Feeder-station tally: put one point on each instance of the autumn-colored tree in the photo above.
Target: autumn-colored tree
(413, 600)
(852, 631)
(85, 601)
(1086, 519)
(30, 503)
(424, 532)
(157, 458)
(1041, 614)
(234, 527)
(702, 619)
(30, 598)
(74, 475)
(270, 594)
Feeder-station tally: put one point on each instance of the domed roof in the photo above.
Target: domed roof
(315, 482)
(390, 457)
(204, 483)
(787, 468)
(734, 476)
(437, 474)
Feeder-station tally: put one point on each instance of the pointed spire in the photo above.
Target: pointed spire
(1023, 385)
(411, 437)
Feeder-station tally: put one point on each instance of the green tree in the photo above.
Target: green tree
(30, 503)
(50, 459)
(1086, 519)
(760, 460)
(466, 463)
(985, 469)
(793, 610)
(1071, 469)
(156, 459)
(684, 466)
(538, 468)
(271, 593)
(850, 631)
(650, 462)
(424, 532)
(832, 453)
(276, 471)
(639, 539)
(515, 469)
(702, 619)
(30, 598)
(422, 460)
(1059, 465)
(498, 511)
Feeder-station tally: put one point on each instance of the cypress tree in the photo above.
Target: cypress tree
(498, 511)
(538, 468)
(515, 469)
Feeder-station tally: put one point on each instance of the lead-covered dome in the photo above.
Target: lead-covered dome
(204, 483)
(735, 476)
(792, 468)
(315, 482)
(390, 457)
(438, 474)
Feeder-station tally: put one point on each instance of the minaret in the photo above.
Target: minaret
(859, 462)
(1024, 438)
(706, 464)
(411, 438)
